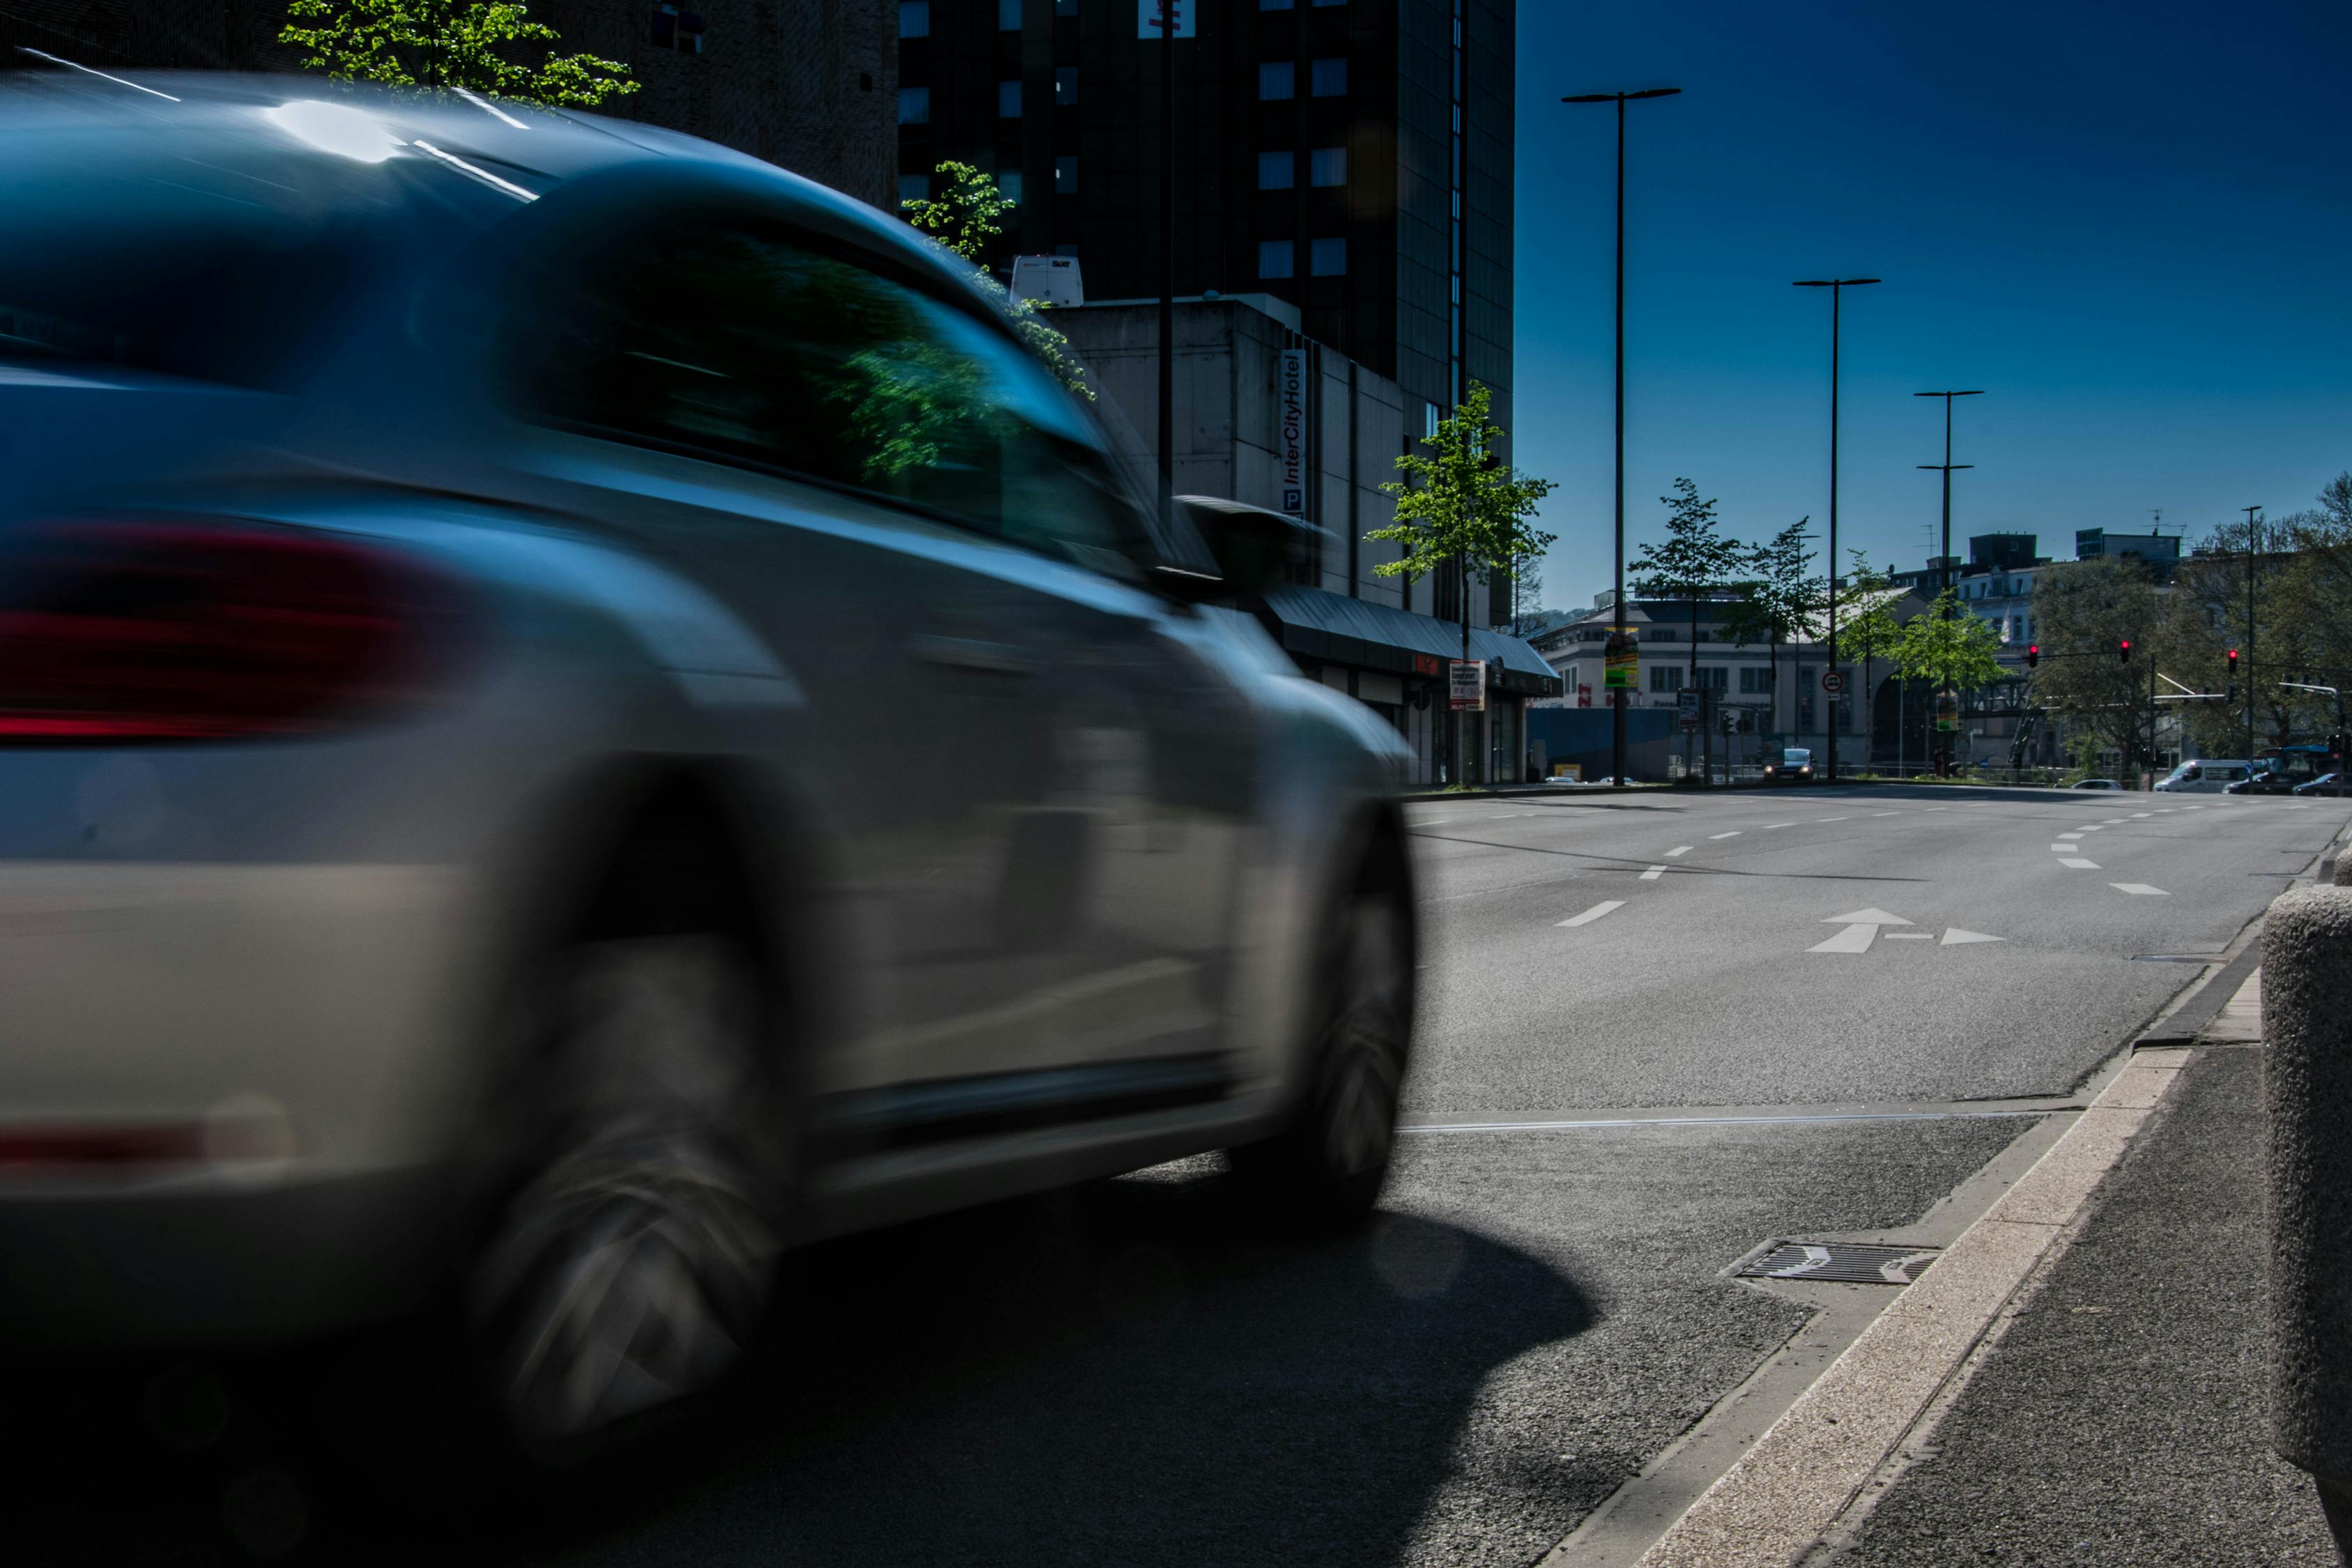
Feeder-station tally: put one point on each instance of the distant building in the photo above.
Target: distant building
(807, 84)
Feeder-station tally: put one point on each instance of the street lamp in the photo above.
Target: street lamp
(1617, 700)
(1943, 577)
(2250, 512)
(1837, 287)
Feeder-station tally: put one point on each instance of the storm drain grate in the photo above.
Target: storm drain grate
(1848, 1262)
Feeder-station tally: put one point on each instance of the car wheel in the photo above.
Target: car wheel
(1327, 1168)
(636, 1250)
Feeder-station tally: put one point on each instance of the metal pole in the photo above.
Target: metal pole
(2250, 638)
(1167, 274)
(1618, 699)
(1828, 700)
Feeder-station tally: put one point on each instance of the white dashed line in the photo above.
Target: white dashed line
(1679, 849)
(2143, 814)
(2080, 865)
(1594, 913)
(1653, 873)
(1833, 819)
(2065, 849)
(1885, 813)
(2097, 827)
(1770, 826)
(2138, 888)
(1733, 833)
(2070, 836)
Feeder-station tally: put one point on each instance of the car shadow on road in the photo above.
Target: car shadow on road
(1135, 1372)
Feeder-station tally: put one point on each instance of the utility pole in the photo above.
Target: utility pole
(1945, 575)
(2249, 637)
(1164, 26)
(1618, 699)
(1837, 287)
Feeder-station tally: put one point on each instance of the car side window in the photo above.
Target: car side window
(748, 346)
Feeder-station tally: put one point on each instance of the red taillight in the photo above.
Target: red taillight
(119, 632)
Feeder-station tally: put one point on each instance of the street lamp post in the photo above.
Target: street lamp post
(2250, 512)
(1943, 578)
(1837, 287)
(1618, 699)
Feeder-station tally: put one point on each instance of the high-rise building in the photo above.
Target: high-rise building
(1352, 158)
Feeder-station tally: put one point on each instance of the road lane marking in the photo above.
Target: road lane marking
(2078, 864)
(1653, 873)
(2143, 814)
(1956, 936)
(2065, 849)
(1594, 913)
(2112, 821)
(1680, 849)
(1770, 826)
(1733, 833)
(2070, 836)
(2138, 888)
(1854, 939)
(1885, 813)
(2096, 828)
(1910, 936)
(1833, 819)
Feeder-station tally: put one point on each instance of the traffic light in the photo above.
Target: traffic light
(2032, 655)
(2233, 664)
(2229, 693)
(2123, 651)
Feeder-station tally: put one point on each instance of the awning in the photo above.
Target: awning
(1315, 624)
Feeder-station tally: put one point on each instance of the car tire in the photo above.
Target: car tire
(634, 1252)
(1326, 1169)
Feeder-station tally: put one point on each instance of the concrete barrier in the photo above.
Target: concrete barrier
(2307, 1091)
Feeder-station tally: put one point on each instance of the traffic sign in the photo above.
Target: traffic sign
(1469, 683)
(1687, 703)
(1832, 682)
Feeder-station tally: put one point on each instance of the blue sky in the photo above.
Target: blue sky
(2131, 223)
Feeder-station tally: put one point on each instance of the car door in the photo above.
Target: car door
(1041, 795)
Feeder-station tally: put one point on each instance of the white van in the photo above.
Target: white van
(2206, 775)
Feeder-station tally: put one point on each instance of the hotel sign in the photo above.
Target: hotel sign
(1294, 435)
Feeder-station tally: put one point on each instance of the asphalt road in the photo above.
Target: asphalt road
(1135, 1374)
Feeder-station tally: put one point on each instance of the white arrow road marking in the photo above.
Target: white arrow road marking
(1854, 939)
(2077, 863)
(1684, 849)
(1956, 936)
(1594, 913)
(1653, 873)
(1866, 917)
(1910, 936)
(2138, 888)
(1733, 833)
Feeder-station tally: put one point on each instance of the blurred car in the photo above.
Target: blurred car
(2326, 783)
(2204, 776)
(2095, 783)
(2269, 781)
(1794, 765)
(486, 596)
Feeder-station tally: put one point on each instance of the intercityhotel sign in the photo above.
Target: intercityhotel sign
(1294, 431)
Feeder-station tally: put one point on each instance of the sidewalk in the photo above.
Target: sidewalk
(2121, 1417)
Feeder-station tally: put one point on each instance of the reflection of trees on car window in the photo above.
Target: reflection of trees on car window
(719, 339)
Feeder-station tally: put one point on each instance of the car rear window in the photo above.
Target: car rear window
(224, 260)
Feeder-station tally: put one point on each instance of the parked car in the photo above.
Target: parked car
(484, 594)
(2096, 783)
(1794, 765)
(2326, 783)
(2204, 776)
(2269, 781)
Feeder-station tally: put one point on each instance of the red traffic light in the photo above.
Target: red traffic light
(2123, 651)
(2032, 655)
(2233, 661)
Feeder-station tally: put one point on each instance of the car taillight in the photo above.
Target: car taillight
(117, 632)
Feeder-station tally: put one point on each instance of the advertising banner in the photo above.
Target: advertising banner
(1469, 684)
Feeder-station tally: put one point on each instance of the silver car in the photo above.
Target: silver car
(579, 713)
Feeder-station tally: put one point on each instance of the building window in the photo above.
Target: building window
(1666, 679)
(1327, 166)
(1715, 677)
(1008, 101)
(1066, 84)
(677, 29)
(1008, 15)
(1276, 80)
(1066, 176)
(1331, 77)
(1008, 184)
(914, 188)
(914, 18)
(1277, 258)
(914, 105)
(1277, 171)
(1755, 682)
(1328, 257)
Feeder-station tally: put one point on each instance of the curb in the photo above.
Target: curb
(1786, 1492)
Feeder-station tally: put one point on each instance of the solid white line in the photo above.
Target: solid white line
(2080, 865)
(1784, 1494)
(2138, 888)
(1684, 849)
(1594, 913)
(1653, 873)
(1733, 833)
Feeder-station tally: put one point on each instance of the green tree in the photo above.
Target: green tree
(1460, 505)
(1694, 564)
(1953, 652)
(964, 218)
(2291, 627)
(2082, 611)
(423, 43)
(1868, 630)
(1772, 606)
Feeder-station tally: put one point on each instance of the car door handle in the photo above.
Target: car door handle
(969, 653)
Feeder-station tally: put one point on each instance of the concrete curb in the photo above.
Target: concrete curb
(1787, 1492)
